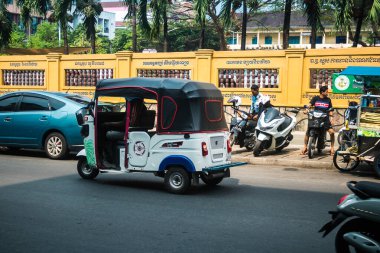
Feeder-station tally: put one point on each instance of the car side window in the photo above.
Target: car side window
(34, 104)
(56, 104)
(8, 104)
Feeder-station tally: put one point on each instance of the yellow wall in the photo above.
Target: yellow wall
(292, 72)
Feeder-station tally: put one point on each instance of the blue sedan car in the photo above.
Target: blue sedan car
(41, 120)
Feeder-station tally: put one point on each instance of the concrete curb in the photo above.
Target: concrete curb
(288, 157)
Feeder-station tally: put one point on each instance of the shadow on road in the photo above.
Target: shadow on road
(31, 153)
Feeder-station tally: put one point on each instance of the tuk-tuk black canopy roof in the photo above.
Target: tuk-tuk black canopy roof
(124, 87)
(182, 105)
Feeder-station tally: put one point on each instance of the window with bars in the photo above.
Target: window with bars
(245, 78)
(23, 77)
(86, 77)
(165, 73)
(322, 77)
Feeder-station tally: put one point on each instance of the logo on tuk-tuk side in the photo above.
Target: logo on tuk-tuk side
(139, 148)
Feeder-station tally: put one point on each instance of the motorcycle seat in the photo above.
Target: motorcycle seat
(371, 189)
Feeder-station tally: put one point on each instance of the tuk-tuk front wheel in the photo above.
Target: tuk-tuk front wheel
(85, 170)
(177, 180)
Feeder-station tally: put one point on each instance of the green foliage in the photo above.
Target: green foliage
(184, 36)
(45, 37)
(123, 41)
(5, 26)
(103, 45)
(77, 37)
(18, 38)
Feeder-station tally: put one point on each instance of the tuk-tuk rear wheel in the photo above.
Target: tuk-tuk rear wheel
(177, 180)
(85, 170)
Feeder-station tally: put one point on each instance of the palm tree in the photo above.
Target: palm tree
(27, 7)
(212, 11)
(90, 10)
(160, 11)
(358, 10)
(138, 9)
(286, 26)
(229, 8)
(5, 26)
(313, 11)
(60, 14)
(209, 7)
(201, 7)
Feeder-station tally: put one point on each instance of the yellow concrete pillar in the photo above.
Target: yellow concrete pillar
(123, 64)
(294, 76)
(203, 59)
(53, 72)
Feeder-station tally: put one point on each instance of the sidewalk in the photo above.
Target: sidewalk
(289, 156)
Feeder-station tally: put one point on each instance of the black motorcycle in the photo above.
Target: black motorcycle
(317, 131)
(244, 135)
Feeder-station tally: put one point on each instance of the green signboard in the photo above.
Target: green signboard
(347, 84)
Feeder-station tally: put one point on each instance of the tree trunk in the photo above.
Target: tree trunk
(165, 32)
(219, 29)
(244, 26)
(65, 40)
(134, 29)
(286, 27)
(360, 42)
(202, 38)
(359, 23)
(93, 47)
(313, 37)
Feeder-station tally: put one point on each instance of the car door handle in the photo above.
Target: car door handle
(44, 118)
(7, 119)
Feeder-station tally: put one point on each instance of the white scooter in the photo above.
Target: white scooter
(274, 129)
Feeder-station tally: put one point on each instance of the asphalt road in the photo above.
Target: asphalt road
(46, 207)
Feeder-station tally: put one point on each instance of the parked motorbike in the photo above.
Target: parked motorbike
(244, 136)
(317, 132)
(274, 129)
(362, 209)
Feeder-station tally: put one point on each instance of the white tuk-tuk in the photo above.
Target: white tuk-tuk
(183, 138)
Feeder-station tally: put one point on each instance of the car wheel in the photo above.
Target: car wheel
(177, 180)
(56, 146)
(85, 170)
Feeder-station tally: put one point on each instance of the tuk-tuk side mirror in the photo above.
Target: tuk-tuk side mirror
(80, 115)
(90, 108)
(331, 109)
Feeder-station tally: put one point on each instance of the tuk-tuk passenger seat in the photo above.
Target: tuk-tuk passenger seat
(147, 119)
